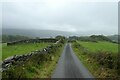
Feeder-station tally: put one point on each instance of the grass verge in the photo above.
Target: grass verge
(101, 64)
(49, 66)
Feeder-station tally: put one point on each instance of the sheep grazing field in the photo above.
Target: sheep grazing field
(23, 48)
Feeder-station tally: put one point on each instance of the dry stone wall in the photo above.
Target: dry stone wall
(17, 60)
(32, 41)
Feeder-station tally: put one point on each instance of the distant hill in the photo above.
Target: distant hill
(111, 38)
(100, 38)
(114, 37)
(35, 33)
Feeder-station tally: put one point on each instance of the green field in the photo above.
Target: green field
(100, 46)
(19, 49)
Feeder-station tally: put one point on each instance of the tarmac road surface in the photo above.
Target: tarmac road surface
(69, 66)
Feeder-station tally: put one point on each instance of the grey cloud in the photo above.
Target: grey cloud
(90, 17)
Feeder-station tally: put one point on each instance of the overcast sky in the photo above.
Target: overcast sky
(63, 15)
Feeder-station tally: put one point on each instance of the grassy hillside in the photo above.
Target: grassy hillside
(19, 49)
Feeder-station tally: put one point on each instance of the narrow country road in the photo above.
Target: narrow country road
(69, 66)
